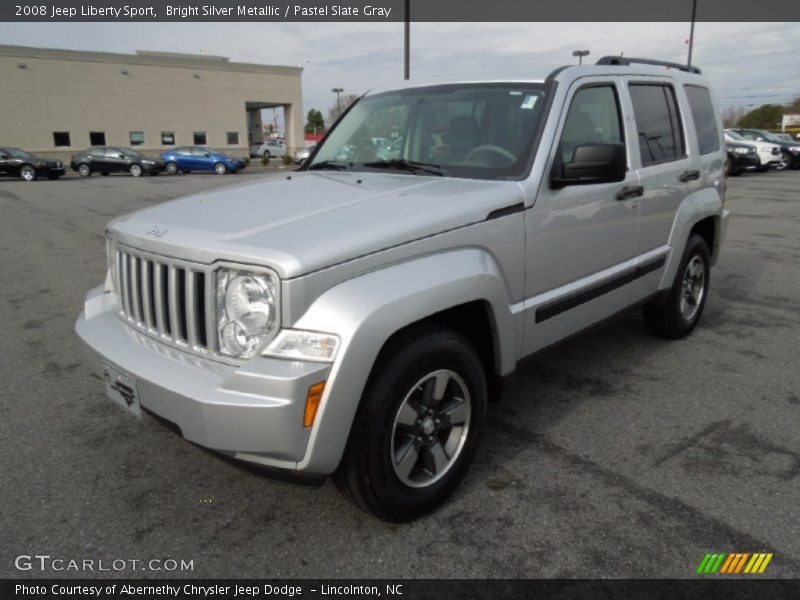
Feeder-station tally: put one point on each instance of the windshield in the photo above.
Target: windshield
(735, 136)
(16, 153)
(481, 131)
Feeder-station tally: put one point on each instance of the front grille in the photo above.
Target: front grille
(165, 297)
(775, 151)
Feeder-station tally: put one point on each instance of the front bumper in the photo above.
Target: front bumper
(252, 412)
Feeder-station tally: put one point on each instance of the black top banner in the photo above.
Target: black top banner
(395, 10)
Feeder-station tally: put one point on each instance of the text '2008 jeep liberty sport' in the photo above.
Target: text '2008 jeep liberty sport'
(350, 319)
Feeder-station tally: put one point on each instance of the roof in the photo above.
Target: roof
(144, 57)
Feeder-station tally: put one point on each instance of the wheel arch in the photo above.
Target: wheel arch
(462, 290)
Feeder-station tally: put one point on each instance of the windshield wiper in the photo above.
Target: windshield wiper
(406, 165)
(331, 165)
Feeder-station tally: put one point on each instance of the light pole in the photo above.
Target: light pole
(580, 54)
(338, 91)
(691, 33)
(407, 42)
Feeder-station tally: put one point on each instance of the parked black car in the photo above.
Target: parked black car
(18, 163)
(790, 150)
(740, 158)
(112, 159)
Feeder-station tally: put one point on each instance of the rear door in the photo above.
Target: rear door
(666, 169)
(581, 239)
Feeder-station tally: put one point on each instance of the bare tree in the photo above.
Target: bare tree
(339, 107)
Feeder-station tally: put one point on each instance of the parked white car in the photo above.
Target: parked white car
(769, 155)
(268, 148)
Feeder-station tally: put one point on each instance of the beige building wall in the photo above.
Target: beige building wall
(43, 91)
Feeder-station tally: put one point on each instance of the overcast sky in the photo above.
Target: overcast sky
(749, 64)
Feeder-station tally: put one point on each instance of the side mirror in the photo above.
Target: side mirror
(207, 155)
(591, 163)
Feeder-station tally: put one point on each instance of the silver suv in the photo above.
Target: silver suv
(354, 318)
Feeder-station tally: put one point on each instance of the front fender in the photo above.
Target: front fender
(365, 311)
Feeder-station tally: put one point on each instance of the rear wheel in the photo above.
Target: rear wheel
(85, 170)
(678, 315)
(220, 168)
(27, 172)
(135, 170)
(417, 428)
(172, 168)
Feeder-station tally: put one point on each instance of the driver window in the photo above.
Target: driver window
(371, 141)
(593, 118)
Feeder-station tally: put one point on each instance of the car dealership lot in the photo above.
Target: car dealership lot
(612, 455)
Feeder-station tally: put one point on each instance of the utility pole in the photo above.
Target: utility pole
(691, 33)
(407, 40)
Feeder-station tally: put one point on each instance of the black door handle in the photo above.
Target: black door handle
(630, 191)
(689, 176)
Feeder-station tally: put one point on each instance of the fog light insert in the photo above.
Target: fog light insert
(303, 345)
(312, 403)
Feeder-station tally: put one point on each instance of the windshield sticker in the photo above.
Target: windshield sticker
(528, 103)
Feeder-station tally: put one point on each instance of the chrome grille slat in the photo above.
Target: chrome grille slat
(170, 297)
(147, 294)
(161, 320)
(135, 295)
(191, 321)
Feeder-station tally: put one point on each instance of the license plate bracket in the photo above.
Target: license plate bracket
(121, 389)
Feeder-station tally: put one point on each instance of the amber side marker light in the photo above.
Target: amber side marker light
(312, 403)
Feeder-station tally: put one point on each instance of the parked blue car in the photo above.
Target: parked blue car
(198, 158)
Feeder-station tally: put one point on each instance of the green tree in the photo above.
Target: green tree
(314, 121)
(767, 116)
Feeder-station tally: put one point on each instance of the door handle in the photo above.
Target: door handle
(630, 191)
(689, 176)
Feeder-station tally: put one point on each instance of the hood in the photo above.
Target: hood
(308, 221)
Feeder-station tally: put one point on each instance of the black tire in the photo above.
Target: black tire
(84, 170)
(220, 168)
(786, 162)
(136, 170)
(172, 168)
(28, 172)
(728, 167)
(667, 318)
(367, 473)
(266, 155)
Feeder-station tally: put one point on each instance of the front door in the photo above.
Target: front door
(581, 239)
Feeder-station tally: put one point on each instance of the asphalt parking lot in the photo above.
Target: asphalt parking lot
(613, 455)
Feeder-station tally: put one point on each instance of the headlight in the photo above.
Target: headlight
(741, 150)
(794, 148)
(303, 345)
(247, 311)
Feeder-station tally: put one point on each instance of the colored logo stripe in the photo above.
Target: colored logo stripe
(735, 563)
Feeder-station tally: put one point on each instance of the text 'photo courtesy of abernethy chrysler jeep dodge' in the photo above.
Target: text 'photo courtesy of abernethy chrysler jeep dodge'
(354, 318)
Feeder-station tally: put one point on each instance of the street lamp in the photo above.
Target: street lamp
(338, 91)
(580, 54)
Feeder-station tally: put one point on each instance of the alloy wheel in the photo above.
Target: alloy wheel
(693, 287)
(28, 173)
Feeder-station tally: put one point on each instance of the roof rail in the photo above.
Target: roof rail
(624, 60)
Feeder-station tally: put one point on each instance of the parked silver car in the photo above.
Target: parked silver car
(353, 319)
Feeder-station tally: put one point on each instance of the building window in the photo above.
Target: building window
(61, 138)
(137, 138)
(167, 138)
(233, 138)
(97, 138)
(200, 138)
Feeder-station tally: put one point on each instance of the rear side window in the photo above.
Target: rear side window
(658, 123)
(705, 122)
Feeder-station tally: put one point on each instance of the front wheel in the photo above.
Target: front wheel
(417, 429)
(172, 168)
(27, 172)
(678, 315)
(220, 169)
(786, 162)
